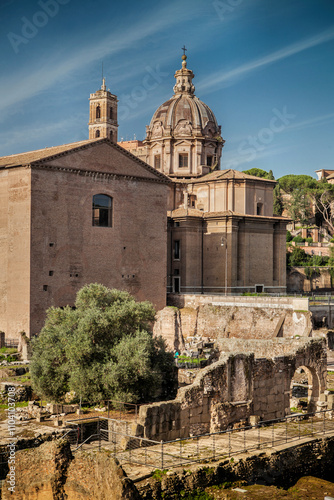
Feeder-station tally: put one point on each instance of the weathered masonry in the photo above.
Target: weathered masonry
(75, 214)
(251, 378)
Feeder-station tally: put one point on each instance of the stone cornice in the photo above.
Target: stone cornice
(95, 173)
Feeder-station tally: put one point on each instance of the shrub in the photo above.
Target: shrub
(298, 239)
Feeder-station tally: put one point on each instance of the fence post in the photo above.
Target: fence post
(273, 436)
(229, 443)
(258, 438)
(108, 407)
(244, 438)
(299, 428)
(99, 432)
(197, 446)
(286, 429)
(324, 422)
(136, 413)
(213, 446)
(180, 448)
(162, 455)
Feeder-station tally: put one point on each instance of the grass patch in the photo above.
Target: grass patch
(8, 350)
(19, 404)
(158, 474)
(196, 495)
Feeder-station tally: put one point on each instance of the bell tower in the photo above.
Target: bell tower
(103, 114)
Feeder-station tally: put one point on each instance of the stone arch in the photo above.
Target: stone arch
(312, 359)
(313, 387)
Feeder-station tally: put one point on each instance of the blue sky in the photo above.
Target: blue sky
(264, 67)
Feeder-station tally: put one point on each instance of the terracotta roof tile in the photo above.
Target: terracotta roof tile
(40, 154)
(222, 175)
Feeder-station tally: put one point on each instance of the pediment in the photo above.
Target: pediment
(183, 142)
(103, 157)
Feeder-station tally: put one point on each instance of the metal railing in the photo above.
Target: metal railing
(128, 448)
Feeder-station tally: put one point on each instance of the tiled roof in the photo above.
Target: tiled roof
(192, 212)
(31, 157)
(222, 175)
(40, 154)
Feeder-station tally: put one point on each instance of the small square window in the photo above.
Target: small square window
(45, 288)
(50, 273)
(183, 160)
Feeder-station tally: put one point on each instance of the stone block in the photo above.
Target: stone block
(323, 397)
(40, 418)
(330, 398)
(58, 422)
(254, 420)
(195, 419)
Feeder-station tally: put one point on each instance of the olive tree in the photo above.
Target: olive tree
(101, 349)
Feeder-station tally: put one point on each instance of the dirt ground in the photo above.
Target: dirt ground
(306, 488)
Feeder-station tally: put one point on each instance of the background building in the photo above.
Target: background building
(222, 236)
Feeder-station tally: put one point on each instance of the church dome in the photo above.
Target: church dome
(184, 114)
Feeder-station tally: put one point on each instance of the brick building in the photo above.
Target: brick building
(77, 214)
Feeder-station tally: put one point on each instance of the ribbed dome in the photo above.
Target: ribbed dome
(181, 115)
(184, 114)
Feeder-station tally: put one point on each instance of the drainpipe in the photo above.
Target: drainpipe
(202, 259)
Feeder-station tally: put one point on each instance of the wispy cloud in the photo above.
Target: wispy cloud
(33, 81)
(234, 159)
(312, 122)
(224, 79)
(43, 133)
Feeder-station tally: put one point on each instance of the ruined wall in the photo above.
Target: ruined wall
(237, 386)
(298, 282)
(237, 318)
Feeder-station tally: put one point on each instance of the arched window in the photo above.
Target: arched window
(110, 113)
(111, 135)
(98, 112)
(97, 133)
(102, 210)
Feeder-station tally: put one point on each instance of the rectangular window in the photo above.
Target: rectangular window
(209, 161)
(177, 250)
(183, 160)
(102, 210)
(157, 162)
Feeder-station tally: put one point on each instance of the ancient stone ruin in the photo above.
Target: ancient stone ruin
(251, 381)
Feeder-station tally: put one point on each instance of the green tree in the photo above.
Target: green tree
(104, 348)
(322, 197)
(291, 182)
(278, 201)
(297, 257)
(257, 172)
(299, 206)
